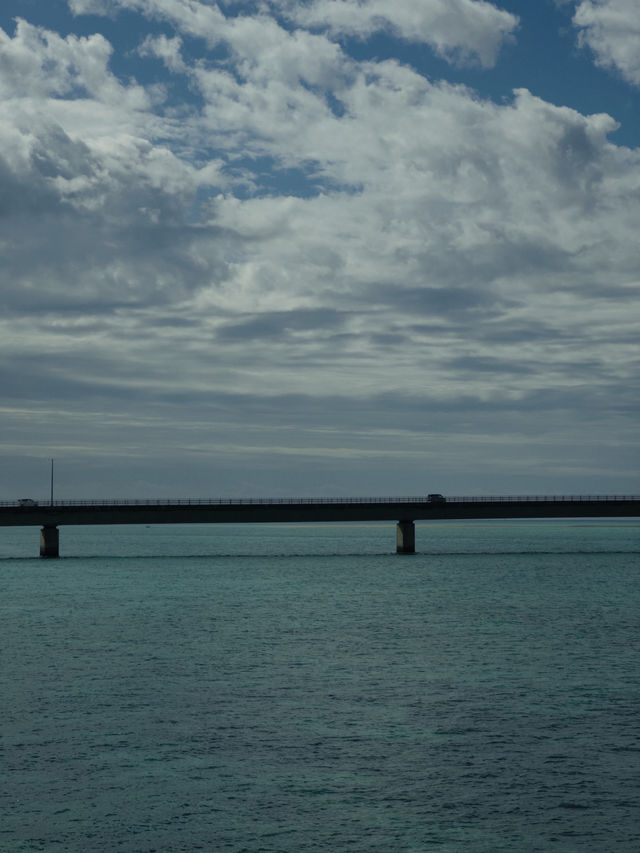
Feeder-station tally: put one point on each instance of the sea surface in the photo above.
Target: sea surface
(291, 688)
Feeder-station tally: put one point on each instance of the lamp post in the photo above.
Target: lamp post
(52, 482)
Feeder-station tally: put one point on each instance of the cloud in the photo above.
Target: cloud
(611, 29)
(311, 255)
(93, 225)
(197, 18)
(93, 208)
(465, 31)
(40, 63)
(458, 30)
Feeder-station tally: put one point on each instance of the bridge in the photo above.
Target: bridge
(403, 511)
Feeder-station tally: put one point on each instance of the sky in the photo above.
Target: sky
(319, 248)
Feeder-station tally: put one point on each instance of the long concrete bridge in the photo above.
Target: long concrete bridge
(404, 511)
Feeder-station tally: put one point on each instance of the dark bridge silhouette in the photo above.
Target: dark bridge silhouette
(404, 511)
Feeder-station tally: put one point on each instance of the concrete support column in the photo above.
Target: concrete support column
(406, 537)
(49, 542)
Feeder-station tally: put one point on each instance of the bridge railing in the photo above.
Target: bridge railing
(320, 500)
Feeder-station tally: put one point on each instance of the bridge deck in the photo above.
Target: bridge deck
(314, 510)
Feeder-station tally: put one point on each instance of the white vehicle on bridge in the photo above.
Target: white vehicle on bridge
(27, 502)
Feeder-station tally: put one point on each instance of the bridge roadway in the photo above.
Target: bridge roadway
(404, 511)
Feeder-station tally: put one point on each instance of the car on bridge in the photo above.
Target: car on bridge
(436, 499)
(27, 502)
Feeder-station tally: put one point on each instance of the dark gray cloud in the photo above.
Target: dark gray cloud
(280, 324)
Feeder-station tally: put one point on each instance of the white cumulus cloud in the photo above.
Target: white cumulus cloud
(611, 28)
(462, 30)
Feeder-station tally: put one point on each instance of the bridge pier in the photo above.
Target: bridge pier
(405, 537)
(49, 541)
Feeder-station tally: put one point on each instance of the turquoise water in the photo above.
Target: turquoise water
(303, 688)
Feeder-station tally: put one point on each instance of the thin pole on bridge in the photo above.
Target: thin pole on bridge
(52, 482)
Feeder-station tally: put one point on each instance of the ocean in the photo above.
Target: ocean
(291, 688)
